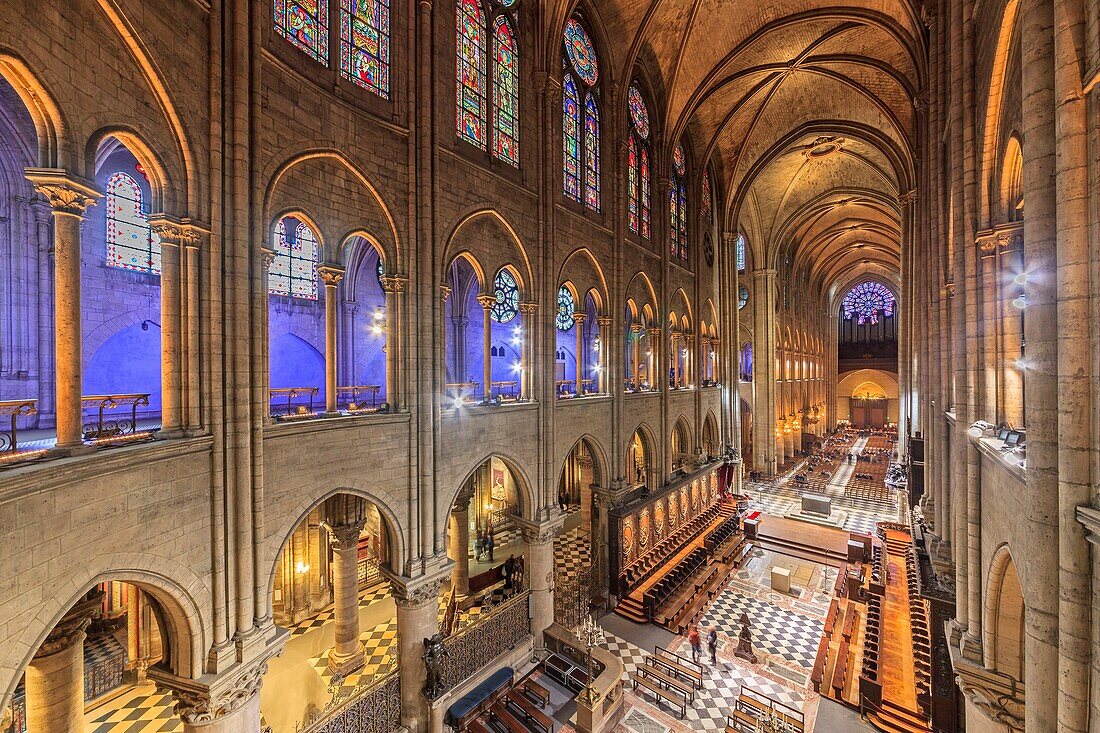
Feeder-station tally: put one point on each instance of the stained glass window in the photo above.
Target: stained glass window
(365, 44)
(564, 319)
(639, 116)
(591, 153)
(571, 139)
(678, 204)
(866, 301)
(740, 252)
(131, 242)
(581, 54)
(470, 71)
(742, 297)
(305, 24)
(507, 293)
(707, 197)
(505, 93)
(293, 271)
(632, 213)
(581, 144)
(637, 164)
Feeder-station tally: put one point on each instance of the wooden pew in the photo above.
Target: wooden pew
(669, 680)
(660, 694)
(536, 692)
(529, 712)
(674, 663)
(500, 714)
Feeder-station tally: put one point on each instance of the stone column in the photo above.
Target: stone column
(133, 630)
(192, 341)
(347, 655)
(538, 554)
(458, 544)
(331, 276)
(578, 324)
(229, 704)
(652, 341)
(395, 341)
(674, 349)
(487, 302)
(636, 338)
(171, 326)
(417, 620)
(69, 197)
(55, 678)
(529, 312)
(765, 409)
(603, 375)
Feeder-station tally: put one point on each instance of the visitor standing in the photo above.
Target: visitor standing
(712, 645)
(489, 544)
(509, 570)
(696, 643)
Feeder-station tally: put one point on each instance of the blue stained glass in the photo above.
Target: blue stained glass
(741, 243)
(591, 153)
(365, 44)
(305, 24)
(581, 54)
(506, 306)
(505, 93)
(742, 297)
(470, 71)
(564, 318)
(293, 271)
(866, 301)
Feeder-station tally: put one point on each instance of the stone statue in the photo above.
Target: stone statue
(434, 654)
(744, 640)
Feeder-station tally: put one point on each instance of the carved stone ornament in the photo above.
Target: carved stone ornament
(908, 198)
(330, 274)
(987, 246)
(999, 704)
(419, 595)
(65, 194)
(196, 706)
(539, 534)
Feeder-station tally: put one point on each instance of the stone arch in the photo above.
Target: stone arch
(1003, 631)
(352, 250)
(1011, 193)
(994, 113)
(599, 458)
(682, 428)
(295, 161)
(524, 487)
(280, 535)
(54, 147)
(650, 447)
(181, 595)
(711, 438)
(164, 198)
(487, 235)
(581, 268)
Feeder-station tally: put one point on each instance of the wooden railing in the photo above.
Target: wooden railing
(371, 707)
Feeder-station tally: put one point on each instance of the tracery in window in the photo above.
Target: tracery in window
(637, 164)
(582, 184)
(131, 242)
(566, 307)
(678, 204)
(506, 306)
(365, 44)
(742, 297)
(293, 271)
(740, 252)
(305, 24)
(866, 301)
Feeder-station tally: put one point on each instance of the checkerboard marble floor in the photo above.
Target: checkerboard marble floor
(721, 685)
(572, 551)
(141, 710)
(379, 651)
(779, 498)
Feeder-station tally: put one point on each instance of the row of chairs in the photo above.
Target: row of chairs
(718, 536)
(922, 639)
(645, 565)
(679, 576)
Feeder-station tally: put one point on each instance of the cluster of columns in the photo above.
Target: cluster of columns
(69, 197)
(965, 369)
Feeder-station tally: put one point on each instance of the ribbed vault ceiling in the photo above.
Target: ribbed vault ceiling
(805, 110)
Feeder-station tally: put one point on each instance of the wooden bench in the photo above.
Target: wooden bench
(660, 693)
(740, 722)
(536, 692)
(476, 726)
(500, 714)
(529, 712)
(669, 680)
(689, 671)
(820, 661)
(742, 553)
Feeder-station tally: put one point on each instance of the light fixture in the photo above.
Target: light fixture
(1020, 302)
(301, 568)
(1020, 279)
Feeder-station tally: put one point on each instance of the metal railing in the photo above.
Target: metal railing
(472, 648)
(105, 419)
(293, 406)
(371, 707)
(9, 440)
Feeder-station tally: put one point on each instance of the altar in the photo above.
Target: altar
(818, 509)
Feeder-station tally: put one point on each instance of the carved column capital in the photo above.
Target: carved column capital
(908, 198)
(204, 701)
(444, 292)
(580, 317)
(268, 255)
(604, 321)
(487, 301)
(345, 536)
(539, 534)
(528, 308)
(416, 592)
(331, 275)
(395, 284)
(70, 629)
(177, 232)
(65, 193)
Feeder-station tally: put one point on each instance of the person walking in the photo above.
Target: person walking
(489, 544)
(712, 645)
(696, 643)
(479, 546)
